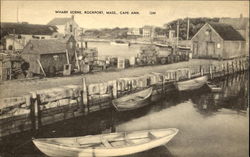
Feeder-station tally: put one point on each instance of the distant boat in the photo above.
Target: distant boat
(133, 101)
(120, 42)
(192, 84)
(162, 45)
(113, 144)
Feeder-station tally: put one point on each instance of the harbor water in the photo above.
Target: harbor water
(106, 49)
(210, 124)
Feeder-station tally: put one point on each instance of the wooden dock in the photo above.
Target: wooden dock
(47, 106)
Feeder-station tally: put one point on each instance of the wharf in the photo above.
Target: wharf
(15, 88)
(51, 100)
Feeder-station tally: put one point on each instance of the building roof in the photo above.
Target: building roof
(226, 32)
(147, 27)
(45, 46)
(59, 21)
(237, 23)
(25, 28)
(66, 38)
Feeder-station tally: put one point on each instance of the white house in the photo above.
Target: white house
(134, 31)
(65, 26)
(16, 35)
(148, 31)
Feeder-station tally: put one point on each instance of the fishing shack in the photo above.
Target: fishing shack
(50, 55)
(219, 41)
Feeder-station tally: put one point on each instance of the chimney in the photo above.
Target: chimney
(241, 16)
(72, 17)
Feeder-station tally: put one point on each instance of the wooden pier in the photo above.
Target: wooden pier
(43, 107)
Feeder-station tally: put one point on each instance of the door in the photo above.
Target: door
(210, 49)
(195, 49)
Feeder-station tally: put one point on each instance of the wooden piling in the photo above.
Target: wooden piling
(115, 84)
(240, 68)
(163, 84)
(189, 74)
(237, 65)
(202, 71)
(84, 94)
(38, 109)
(82, 107)
(28, 100)
(233, 70)
(210, 71)
(228, 68)
(34, 112)
(176, 76)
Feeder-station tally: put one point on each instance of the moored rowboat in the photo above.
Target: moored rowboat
(133, 101)
(192, 84)
(120, 43)
(113, 144)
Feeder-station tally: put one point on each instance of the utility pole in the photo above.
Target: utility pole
(177, 38)
(81, 39)
(14, 36)
(187, 28)
(17, 15)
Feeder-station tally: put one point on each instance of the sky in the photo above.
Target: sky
(154, 13)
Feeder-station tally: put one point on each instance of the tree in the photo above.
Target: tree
(194, 25)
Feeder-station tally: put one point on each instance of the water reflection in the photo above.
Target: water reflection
(233, 96)
(210, 124)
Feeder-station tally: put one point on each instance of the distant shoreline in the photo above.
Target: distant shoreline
(109, 40)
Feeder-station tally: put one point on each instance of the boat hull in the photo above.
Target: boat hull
(162, 137)
(213, 87)
(119, 44)
(124, 103)
(192, 84)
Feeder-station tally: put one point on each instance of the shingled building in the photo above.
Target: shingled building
(218, 40)
(51, 53)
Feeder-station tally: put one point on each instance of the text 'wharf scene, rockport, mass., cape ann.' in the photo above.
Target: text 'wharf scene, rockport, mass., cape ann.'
(124, 78)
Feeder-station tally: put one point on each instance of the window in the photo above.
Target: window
(70, 28)
(42, 37)
(10, 47)
(31, 46)
(55, 57)
(218, 45)
(71, 45)
(19, 36)
(208, 31)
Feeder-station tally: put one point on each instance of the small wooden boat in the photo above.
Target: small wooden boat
(162, 45)
(192, 84)
(120, 43)
(113, 144)
(133, 101)
(214, 87)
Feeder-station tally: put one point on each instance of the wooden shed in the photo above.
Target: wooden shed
(51, 53)
(217, 40)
